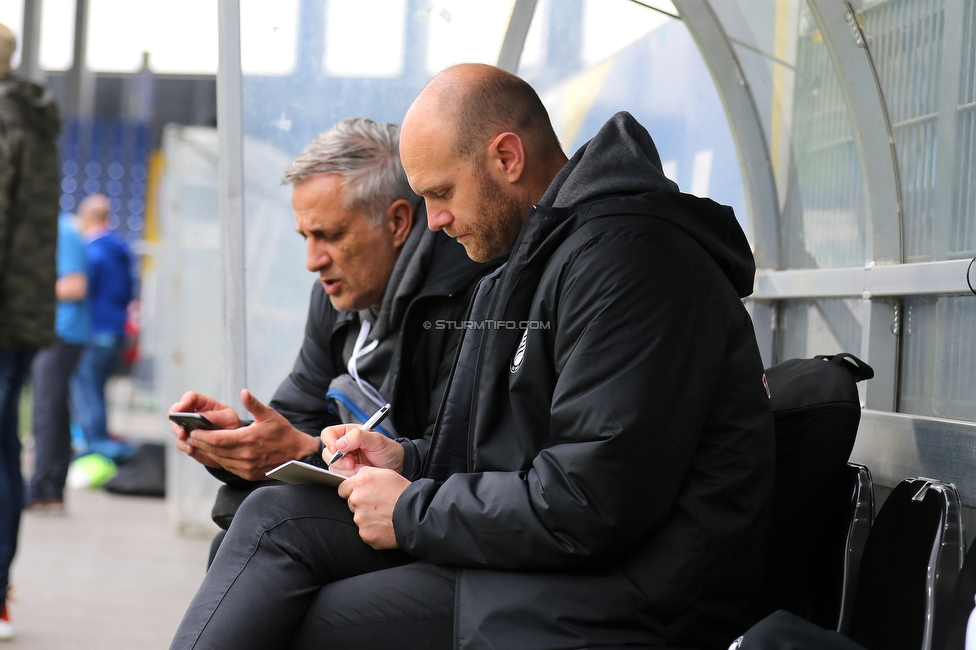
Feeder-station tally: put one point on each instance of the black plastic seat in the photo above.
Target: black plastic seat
(860, 513)
(909, 569)
(962, 603)
(837, 562)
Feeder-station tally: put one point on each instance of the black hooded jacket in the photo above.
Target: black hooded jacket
(602, 466)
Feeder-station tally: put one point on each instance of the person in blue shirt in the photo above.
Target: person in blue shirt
(110, 287)
(51, 370)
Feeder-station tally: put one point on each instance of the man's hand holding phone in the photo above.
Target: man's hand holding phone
(247, 451)
(220, 415)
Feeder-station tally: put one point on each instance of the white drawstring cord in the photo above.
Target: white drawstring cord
(358, 351)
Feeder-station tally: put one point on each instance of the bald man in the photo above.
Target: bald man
(110, 289)
(29, 193)
(601, 471)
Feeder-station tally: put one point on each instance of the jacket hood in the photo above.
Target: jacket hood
(35, 104)
(408, 276)
(620, 166)
(620, 159)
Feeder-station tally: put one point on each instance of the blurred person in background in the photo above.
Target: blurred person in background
(29, 192)
(110, 288)
(51, 371)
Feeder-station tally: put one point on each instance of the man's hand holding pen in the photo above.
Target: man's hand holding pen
(370, 424)
(373, 463)
(357, 446)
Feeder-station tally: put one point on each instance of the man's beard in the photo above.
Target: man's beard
(500, 222)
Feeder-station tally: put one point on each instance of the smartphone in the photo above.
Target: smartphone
(191, 421)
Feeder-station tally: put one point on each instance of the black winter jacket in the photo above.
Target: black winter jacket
(602, 475)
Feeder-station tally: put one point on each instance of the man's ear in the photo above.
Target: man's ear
(506, 156)
(399, 219)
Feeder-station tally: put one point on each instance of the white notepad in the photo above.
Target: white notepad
(299, 473)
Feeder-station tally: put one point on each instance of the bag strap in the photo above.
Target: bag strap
(858, 369)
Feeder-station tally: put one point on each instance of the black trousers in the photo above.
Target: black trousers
(292, 572)
(51, 371)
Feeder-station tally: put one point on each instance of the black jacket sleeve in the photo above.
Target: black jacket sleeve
(637, 362)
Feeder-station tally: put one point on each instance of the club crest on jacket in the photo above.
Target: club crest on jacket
(519, 353)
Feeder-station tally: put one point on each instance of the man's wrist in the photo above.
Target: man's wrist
(399, 467)
(315, 458)
(298, 443)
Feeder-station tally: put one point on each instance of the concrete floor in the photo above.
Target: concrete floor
(112, 574)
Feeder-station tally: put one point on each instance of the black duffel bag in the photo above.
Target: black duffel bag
(816, 410)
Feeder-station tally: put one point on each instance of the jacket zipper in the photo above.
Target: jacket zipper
(477, 368)
(425, 467)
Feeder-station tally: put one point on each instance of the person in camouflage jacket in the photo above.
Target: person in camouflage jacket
(29, 192)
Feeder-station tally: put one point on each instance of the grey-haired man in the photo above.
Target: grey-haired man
(382, 275)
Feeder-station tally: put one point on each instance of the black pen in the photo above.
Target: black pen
(368, 424)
